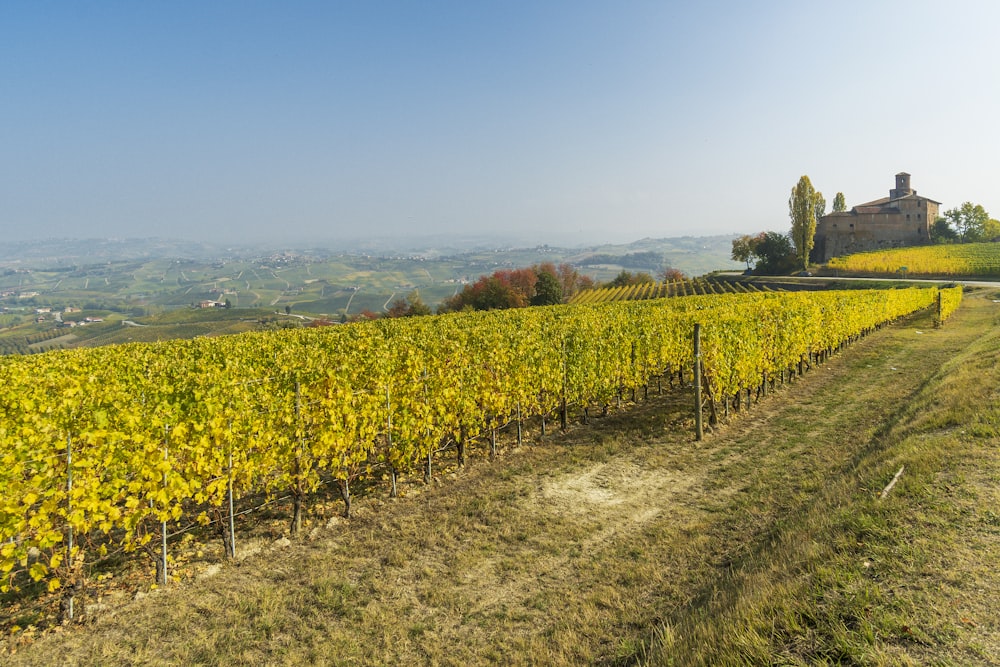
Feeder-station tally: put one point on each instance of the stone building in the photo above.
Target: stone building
(901, 219)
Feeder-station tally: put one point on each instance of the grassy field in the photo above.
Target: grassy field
(626, 542)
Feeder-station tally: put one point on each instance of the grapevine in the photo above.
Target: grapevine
(164, 432)
(963, 259)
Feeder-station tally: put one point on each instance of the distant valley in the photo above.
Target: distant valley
(163, 283)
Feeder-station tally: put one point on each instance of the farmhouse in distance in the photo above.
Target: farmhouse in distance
(901, 219)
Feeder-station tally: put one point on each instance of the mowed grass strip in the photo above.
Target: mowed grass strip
(625, 542)
(845, 576)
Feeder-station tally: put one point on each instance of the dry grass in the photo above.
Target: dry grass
(626, 542)
(847, 578)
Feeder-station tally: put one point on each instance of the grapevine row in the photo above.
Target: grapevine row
(651, 290)
(949, 299)
(964, 259)
(164, 432)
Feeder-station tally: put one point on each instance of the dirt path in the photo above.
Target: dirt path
(572, 551)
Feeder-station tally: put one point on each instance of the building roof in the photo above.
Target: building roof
(916, 196)
(875, 202)
(885, 200)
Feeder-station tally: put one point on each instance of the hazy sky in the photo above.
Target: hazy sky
(560, 121)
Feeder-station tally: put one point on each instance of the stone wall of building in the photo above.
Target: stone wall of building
(902, 219)
(844, 233)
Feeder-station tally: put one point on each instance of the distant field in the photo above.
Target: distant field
(305, 285)
(964, 259)
(134, 287)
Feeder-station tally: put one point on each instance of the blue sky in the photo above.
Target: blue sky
(558, 122)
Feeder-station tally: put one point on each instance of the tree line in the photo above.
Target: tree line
(540, 285)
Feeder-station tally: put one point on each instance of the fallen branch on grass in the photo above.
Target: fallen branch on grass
(888, 488)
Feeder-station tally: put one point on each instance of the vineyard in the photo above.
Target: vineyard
(652, 290)
(966, 259)
(117, 449)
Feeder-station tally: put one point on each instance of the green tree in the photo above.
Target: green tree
(548, 290)
(745, 249)
(775, 254)
(417, 306)
(839, 205)
(802, 207)
(941, 232)
(991, 230)
(627, 278)
(620, 280)
(410, 306)
(969, 220)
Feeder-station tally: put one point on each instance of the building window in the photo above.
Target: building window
(907, 216)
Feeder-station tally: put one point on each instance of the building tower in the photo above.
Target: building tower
(902, 186)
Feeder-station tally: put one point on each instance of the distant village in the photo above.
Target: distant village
(45, 313)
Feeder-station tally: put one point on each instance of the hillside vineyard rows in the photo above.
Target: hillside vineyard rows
(110, 448)
(653, 290)
(961, 259)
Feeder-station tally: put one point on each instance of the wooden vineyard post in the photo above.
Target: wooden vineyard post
(428, 469)
(698, 426)
(520, 440)
(163, 524)
(297, 491)
(563, 406)
(632, 364)
(229, 493)
(68, 603)
(393, 492)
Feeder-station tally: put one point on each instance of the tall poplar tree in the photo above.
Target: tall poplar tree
(802, 207)
(819, 205)
(839, 205)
